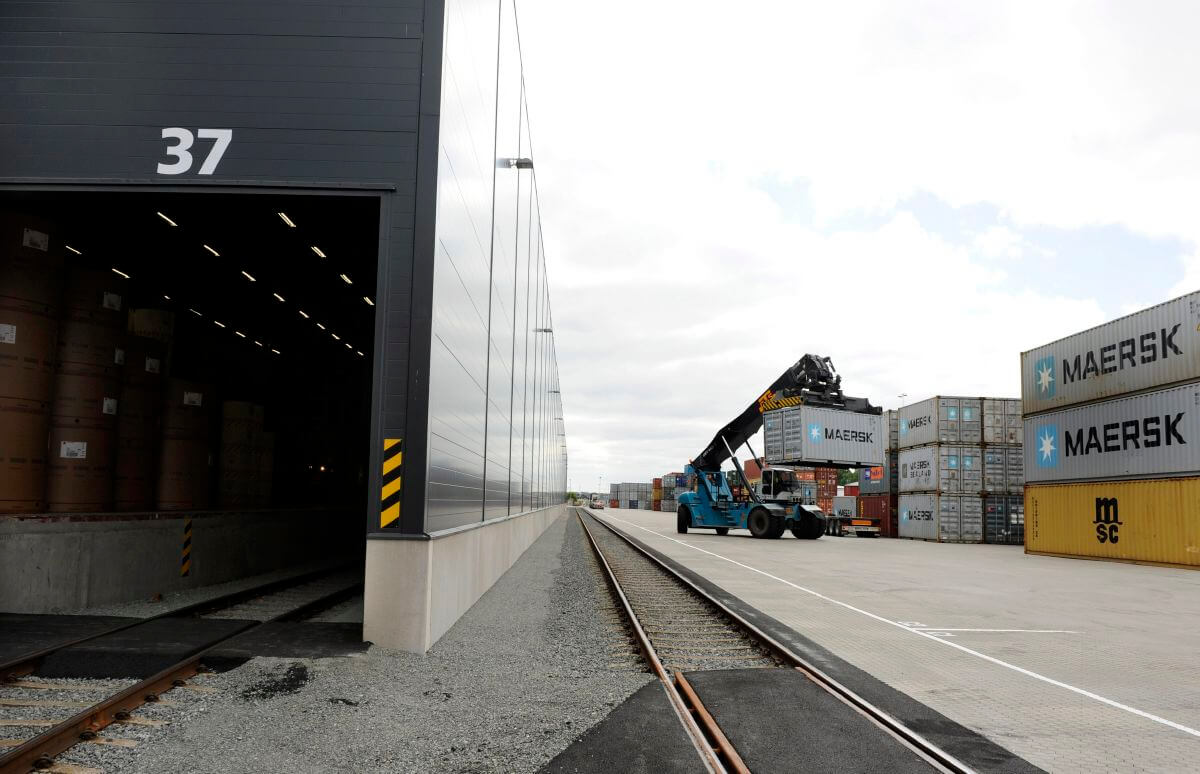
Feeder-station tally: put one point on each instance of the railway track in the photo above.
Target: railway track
(290, 599)
(680, 628)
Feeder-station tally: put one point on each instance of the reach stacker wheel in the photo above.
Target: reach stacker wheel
(722, 530)
(764, 524)
(683, 520)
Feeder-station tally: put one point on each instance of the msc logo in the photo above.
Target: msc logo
(1046, 450)
(1043, 375)
(815, 433)
(1108, 520)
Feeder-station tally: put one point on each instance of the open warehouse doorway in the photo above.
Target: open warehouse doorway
(202, 353)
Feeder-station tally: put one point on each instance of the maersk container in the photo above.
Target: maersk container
(1152, 348)
(892, 418)
(941, 419)
(879, 479)
(942, 468)
(1154, 434)
(1138, 521)
(1002, 421)
(944, 518)
(810, 435)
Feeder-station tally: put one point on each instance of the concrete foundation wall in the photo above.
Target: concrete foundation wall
(49, 565)
(417, 589)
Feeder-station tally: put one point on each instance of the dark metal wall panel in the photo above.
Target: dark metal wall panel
(316, 94)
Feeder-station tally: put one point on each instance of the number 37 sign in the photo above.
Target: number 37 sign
(181, 150)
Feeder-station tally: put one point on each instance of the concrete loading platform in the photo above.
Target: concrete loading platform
(1071, 665)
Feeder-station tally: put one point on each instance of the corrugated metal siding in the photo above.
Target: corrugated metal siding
(941, 419)
(1146, 521)
(948, 469)
(1109, 439)
(1147, 349)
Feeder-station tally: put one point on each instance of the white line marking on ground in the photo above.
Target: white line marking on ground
(931, 638)
(1015, 631)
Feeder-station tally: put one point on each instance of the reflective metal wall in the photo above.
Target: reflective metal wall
(497, 444)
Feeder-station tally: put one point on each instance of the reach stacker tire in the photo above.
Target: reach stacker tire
(764, 524)
(722, 530)
(683, 520)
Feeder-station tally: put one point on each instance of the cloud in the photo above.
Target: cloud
(682, 287)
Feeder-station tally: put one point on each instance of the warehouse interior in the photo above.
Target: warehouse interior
(187, 351)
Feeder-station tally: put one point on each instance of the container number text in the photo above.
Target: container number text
(181, 150)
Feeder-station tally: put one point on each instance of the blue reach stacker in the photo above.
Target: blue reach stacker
(770, 509)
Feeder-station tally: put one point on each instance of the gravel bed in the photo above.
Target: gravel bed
(542, 657)
(271, 605)
(144, 608)
(350, 611)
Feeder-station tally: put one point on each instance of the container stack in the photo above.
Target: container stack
(1003, 472)
(959, 459)
(1112, 423)
(826, 480)
(31, 265)
(672, 485)
(631, 495)
(656, 495)
(879, 487)
(87, 383)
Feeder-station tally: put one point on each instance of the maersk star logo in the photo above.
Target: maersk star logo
(815, 434)
(903, 427)
(1044, 376)
(1047, 446)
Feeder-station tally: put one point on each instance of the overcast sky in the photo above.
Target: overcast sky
(920, 190)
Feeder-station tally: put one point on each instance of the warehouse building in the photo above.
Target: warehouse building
(270, 273)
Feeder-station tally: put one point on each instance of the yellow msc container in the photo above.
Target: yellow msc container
(1155, 521)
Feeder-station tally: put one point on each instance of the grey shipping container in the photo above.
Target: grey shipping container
(1002, 421)
(941, 419)
(1003, 469)
(1147, 349)
(845, 506)
(880, 479)
(1150, 435)
(945, 518)
(892, 418)
(805, 434)
(942, 468)
(1004, 519)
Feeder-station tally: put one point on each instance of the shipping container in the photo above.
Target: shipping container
(1152, 348)
(1003, 469)
(891, 417)
(944, 518)
(808, 434)
(850, 490)
(1004, 519)
(881, 507)
(1002, 421)
(1149, 435)
(949, 469)
(880, 479)
(941, 419)
(1141, 521)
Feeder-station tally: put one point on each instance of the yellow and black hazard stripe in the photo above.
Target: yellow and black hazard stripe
(393, 457)
(185, 563)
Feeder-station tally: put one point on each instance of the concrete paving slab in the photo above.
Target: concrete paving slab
(22, 633)
(780, 722)
(1072, 665)
(641, 736)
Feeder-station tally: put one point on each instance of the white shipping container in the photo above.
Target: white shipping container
(942, 468)
(809, 435)
(941, 419)
(945, 518)
(1142, 436)
(1151, 348)
(845, 506)
(892, 417)
(1002, 421)
(1003, 469)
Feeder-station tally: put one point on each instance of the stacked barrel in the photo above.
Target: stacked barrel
(139, 416)
(185, 459)
(87, 383)
(31, 265)
(1112, 431)
(247, 459)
